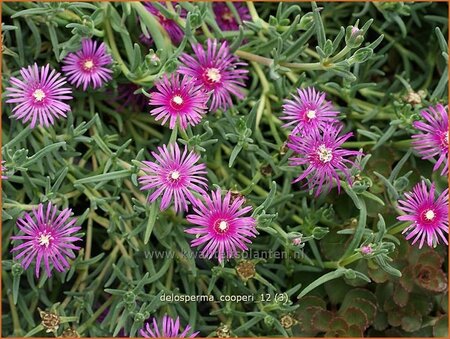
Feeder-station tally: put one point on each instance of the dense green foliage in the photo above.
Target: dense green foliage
(90, 162)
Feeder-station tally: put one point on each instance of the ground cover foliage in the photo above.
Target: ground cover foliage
(324, 256)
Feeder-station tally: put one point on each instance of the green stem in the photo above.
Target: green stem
(94, 317)
(115, 52)
(399, 228)
(308, 66)
(348, 260)
(341, 54)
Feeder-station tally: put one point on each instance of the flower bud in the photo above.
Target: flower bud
(354, 36)
(306, 21)
(16, 269)
(129, 297)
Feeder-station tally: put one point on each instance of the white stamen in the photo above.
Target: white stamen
(325, 154)
(88, 64)
(39, 95)
(213, 74)
(223, 226)
(311, 114)
(44, 239)
(175, 175)
(429, 215)
(177, 99)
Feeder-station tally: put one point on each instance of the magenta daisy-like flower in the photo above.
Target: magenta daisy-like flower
(174, 31)
(324, 160)
(217, 70)
(433, 141)
(88, 66)
(174, 175)
(169, 328)
(47, 236)
(222, 226)
(225, 17)
(428, 215)
(308, 111)
(178, 99)
(39, 96)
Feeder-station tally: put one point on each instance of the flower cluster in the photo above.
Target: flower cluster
(317, 141)
(209, 77)
(221, 222)
(40, 96)
(212, 75)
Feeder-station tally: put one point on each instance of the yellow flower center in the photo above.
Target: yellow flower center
(213, 74)
(311, 114)
(227, 16)
(325, 154)
(174, 175)
(223, 226)
(429, 215)
(39, 95)
(88, 64)
(44, 239)
(177, 100)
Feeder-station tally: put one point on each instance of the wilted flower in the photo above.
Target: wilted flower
(39, 96)
(428, 215)
(321, 153)
(221, 226)
(246, 270)
(47, 235)
(433, 141)
(287, 321)
(225, 17)
(216, 69)
(170, 328)
(88, 65)
(174, 175)
(171, 27)
(178, 99)
(308, 111)
(50, 320)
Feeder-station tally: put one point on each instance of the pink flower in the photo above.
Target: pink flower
(174, 31)
(366, 250)
(433, 141)
(47, 235)
(170, 329)
(297, 241)
(174, 175)
(428, 215)
(226, 19)
(178, 99)
(308, 111)
(39, 97)
(222, 226)
(321, 153)
(87, 66)
(216, 69)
